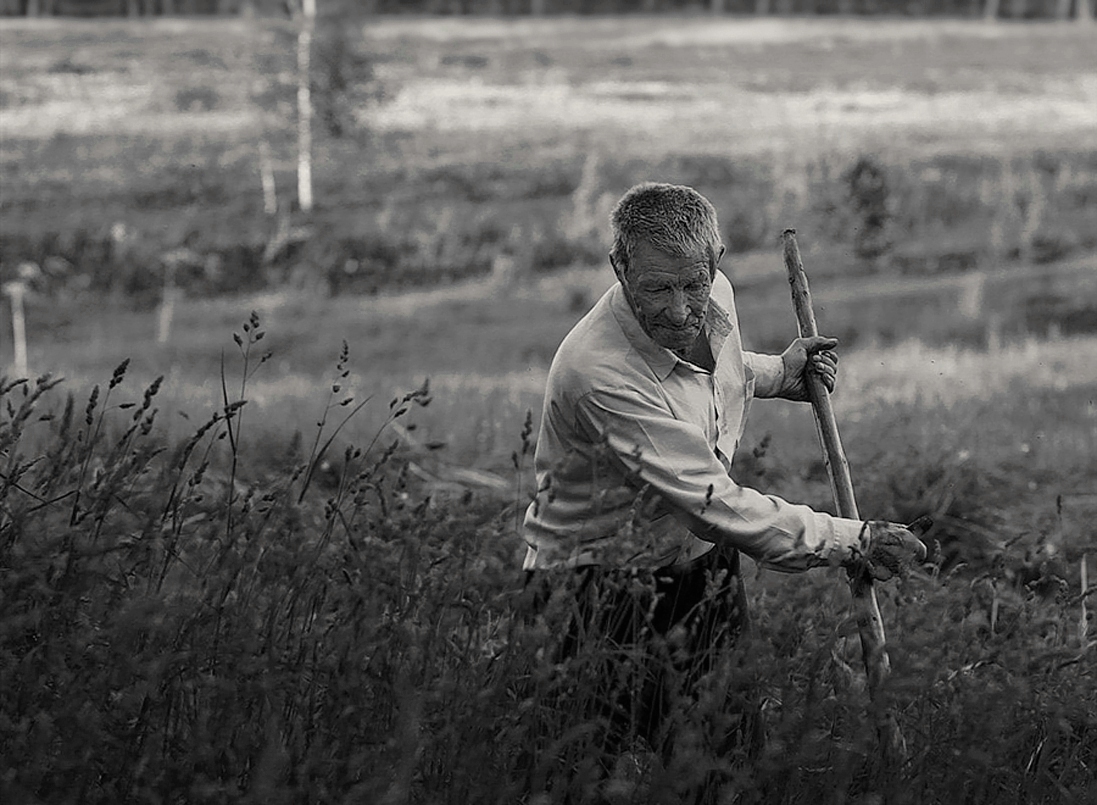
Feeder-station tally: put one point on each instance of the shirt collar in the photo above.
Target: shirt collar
(660, 360)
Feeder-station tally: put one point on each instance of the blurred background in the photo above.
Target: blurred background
(430, 182)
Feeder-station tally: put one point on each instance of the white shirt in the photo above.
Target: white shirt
(635, 448)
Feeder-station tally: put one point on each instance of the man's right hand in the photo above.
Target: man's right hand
(888, 549)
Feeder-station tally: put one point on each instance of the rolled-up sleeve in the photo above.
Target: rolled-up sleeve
(674, 459)
(769, 373)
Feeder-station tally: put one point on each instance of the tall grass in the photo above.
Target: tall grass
(187, 621)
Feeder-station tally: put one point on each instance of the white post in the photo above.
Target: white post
(16, 290)
(266, 176)
(304, 107)
(972, 292)
(167, 304)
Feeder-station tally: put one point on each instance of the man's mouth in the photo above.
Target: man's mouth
(684, 329)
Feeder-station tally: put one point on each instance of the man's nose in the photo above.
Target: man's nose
(678, 309)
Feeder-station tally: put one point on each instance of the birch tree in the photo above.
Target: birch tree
(304, 106)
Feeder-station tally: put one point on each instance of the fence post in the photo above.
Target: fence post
(167, 303)
(266, 177)
(16, 289)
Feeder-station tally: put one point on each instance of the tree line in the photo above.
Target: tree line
(991, 9)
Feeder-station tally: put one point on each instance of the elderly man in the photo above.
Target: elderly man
(647, 399)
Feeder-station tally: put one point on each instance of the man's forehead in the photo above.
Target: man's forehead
(645, 250)
(647, 259)
(671, 268)
(696, 270)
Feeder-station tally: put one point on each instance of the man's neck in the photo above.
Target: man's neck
(699, 353)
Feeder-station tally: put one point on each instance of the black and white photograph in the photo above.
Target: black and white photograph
(548, 402)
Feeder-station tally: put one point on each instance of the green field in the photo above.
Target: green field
(212, 635)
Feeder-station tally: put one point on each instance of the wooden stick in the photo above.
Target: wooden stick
(866, 608)
(1083, 620)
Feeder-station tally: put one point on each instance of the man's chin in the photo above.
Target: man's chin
(677, 341)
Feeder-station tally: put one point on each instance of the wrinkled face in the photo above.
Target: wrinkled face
(669, 295)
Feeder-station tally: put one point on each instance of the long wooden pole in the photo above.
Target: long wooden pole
(866, 608)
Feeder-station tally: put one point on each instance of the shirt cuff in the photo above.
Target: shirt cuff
(842, 537)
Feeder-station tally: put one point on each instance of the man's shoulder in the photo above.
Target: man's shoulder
(594, 354)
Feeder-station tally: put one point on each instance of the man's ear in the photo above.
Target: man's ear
(716, 262)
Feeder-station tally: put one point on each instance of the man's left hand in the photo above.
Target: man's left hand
(815, 354)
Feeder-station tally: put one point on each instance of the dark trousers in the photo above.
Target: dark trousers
(646, 638)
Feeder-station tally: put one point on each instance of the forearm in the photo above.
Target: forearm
(673, 459)
(781, 535)
(769, 373)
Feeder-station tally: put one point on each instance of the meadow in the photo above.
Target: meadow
(204, 601)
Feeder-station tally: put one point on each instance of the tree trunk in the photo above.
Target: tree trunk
(33, 9)
(990, 11)
(537, 8)
(762, 8)
(1085, 11)
(304, 107)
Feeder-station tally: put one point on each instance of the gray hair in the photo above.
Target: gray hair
(674, 219)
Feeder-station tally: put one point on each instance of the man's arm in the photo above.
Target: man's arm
(769, 373)
(783, 375)
(675, 459)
